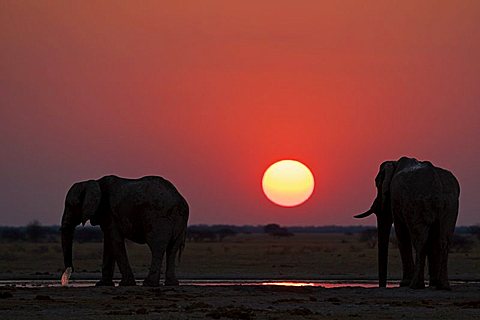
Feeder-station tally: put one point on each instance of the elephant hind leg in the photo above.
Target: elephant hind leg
(405, 248)
(420, 239)
(446, 229)
(440, 252)
(157, 243)
(153, 277)
(172, 250)
(433, 269)
(443, 283)
(433, 255)
(443, 244)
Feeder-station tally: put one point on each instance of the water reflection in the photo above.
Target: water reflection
(323, 284)
(264, 282)
(291, 284)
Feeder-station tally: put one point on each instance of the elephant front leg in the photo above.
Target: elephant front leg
(122, 261)
(433, 270)
(120, 255)
(108, 266)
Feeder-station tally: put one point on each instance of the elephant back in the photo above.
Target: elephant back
(154, 194)
(425, 188)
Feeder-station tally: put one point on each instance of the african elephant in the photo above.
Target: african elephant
(422, 202)
(146, 210)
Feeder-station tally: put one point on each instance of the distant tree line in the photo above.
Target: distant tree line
(463, 239)
(35, 232)
(247, 229)
(201, 234)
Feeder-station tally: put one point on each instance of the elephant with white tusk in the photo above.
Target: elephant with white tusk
(422, 201)
(147, 210)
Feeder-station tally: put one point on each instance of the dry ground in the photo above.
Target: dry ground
(316, 256)
(255, 256)
(238, 302)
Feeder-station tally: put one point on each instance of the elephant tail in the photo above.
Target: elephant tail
(182, 240)
(183, 236)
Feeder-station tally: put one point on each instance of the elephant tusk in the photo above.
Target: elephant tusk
(364, 215)
(66, 276)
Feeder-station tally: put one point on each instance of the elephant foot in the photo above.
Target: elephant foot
(149, 283)
(405, 282)
(127, 283)
(417, 285)
(443, 286)
(171, 282)
(105, 283)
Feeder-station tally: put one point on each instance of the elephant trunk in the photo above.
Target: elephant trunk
(67, 231)
(384, 227)
(67, 244)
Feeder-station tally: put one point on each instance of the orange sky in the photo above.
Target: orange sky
(209, 93)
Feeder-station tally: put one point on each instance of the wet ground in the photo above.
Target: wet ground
(30, 286)
(211, 282)
(226, 301)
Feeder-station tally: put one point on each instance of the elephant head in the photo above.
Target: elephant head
(382, 209)
(81, 204)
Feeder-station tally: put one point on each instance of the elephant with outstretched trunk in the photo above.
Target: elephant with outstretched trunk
(147, 210)
(421, 200)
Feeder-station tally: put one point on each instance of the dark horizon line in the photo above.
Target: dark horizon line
(238, 225)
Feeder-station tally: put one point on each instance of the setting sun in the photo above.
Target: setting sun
(288, 183)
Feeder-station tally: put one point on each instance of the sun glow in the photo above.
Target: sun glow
(288, 183)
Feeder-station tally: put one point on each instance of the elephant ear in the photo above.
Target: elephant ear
(387, 169)
(91, 201)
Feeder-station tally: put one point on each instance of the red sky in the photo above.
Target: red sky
(209, 93)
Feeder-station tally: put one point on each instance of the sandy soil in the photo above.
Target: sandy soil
(304, 256)
(253, 256)
(239, 302)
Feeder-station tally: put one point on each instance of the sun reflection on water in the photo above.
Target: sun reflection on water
(265, 282)
(290, 284)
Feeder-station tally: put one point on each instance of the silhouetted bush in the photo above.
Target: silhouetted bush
(271, 228)
(34, 231)
(274, 229)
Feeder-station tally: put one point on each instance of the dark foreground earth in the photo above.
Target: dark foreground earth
(239, 302)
